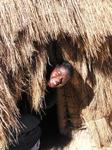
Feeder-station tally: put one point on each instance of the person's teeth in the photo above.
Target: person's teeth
(52, 82)
(55, 82)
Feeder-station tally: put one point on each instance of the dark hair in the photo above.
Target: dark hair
(69, 67)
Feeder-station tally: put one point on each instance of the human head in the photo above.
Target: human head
(60, 75)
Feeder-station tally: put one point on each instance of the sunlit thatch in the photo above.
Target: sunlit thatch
(83, 30)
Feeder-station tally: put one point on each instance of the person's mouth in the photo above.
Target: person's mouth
(54, 83)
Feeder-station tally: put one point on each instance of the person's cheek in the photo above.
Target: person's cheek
(54, 74)
(52, 82)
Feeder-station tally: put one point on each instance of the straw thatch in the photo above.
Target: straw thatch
(83, 31)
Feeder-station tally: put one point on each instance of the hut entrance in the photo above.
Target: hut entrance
(51, 136)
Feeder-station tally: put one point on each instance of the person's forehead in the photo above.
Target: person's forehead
(63, 71)
(62, 68)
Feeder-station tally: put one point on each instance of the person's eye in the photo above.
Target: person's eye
(59, 72)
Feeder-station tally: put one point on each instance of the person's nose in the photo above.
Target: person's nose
(60, 78)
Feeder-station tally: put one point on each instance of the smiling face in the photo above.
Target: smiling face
(59, 77)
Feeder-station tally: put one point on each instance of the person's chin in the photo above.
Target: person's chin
(51, 85)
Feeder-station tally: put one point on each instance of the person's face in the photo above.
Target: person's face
(59, 77)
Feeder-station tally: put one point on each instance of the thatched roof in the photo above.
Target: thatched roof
(88, 23)
(89, 20)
